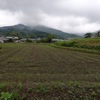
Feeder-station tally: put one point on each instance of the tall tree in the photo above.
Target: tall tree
(50, 37)
(97, 34)
(88, 35)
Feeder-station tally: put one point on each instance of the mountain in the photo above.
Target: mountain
(18, 28)
(55, 31)
(37, 31)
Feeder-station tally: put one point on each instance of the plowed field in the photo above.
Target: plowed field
(41, 63)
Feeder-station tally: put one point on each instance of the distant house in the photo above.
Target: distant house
(3, 39)
(9, 39)
(38, 38)
(55, 40)
(12, 38)
(23, 40)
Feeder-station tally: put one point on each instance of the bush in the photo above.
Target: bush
(90, 43)
(67, 43)
(28, 40)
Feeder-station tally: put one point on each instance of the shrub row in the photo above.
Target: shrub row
(80, 44)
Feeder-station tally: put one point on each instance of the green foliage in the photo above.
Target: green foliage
(88, 35)
(32, 35)
(66, 43)
(50, 37)
(91, 43)
(15, 95)
(20, 85)
(2, 85)
(28, 40)
(10, 40)
(42, 88)
(10, 96)
(73, 84)
(14, 33)
(6, 96)
(47, 39)
(93, 94)
(97, 34)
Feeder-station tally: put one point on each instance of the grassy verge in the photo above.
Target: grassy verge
(81, 45)
(76, 49)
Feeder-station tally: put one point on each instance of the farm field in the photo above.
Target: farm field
(31, 64)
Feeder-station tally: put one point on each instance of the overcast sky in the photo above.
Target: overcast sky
(74, 16)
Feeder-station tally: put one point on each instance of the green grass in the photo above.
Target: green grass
(39, 71)
(86, 43)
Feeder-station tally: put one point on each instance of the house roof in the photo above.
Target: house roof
(12, 37)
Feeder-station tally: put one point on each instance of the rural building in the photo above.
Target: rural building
(55, 40)
(3, 39)
(23, 40)
(12, 38)
(8, 39)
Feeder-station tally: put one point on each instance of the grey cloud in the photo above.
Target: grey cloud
(68, 15)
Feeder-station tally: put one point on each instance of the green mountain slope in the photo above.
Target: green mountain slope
(36, 31)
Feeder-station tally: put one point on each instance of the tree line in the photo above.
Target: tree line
(89, 35)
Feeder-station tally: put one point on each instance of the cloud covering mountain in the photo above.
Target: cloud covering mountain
(24, 31)
(67, 15)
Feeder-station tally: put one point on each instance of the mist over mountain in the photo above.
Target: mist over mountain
(39, 31)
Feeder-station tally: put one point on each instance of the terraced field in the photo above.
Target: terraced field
(32, 64)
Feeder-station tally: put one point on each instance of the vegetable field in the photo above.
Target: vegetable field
(31, 64)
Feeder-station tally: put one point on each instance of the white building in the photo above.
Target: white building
(3, 39)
